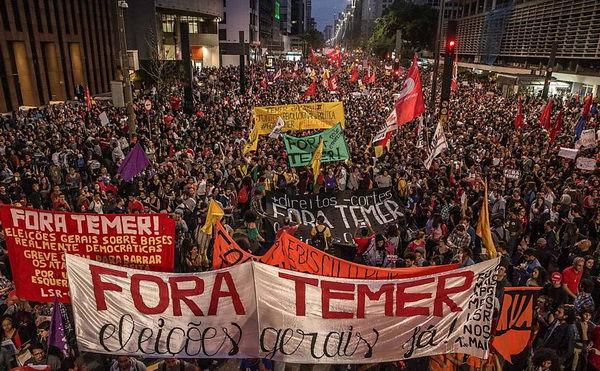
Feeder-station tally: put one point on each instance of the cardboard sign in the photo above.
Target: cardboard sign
(585, 163)
(512, 174)
(37, 241)
(569, 153)
(588, 138)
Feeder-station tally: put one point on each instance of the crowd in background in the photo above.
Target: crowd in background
(545, 224)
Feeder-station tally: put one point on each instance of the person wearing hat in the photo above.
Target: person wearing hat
(555, 291)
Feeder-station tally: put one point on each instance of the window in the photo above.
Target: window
(167, 26)
(224, 3)
(224, 18)
(193, 27)
(222, 35)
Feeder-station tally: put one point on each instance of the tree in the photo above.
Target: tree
(418, 24)
(313, 38)
(162, 72)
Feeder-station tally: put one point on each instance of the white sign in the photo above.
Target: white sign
(148, 105)
(570, 153)
(585, 163)
(154, 314)
(512, 174)
(588, 138)
(103, 118)
(313, 319)
(276, 132)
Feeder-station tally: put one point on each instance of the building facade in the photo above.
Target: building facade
(522, 33)
(47, 48)
(153, 29)
(239, 15)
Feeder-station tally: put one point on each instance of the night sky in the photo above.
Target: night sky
(325, 11)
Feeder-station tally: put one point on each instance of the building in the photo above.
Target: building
(328, 32)
(153, 29)
(370, 11)
(239, 15)
(517, 37)
(47, 48)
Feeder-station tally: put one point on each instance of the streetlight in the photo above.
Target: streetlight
(127, 95)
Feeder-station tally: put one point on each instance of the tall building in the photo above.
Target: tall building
(47, 48)
(239, 15)
(520, 34)
(328, 32)
(153, 29)
(307, 14)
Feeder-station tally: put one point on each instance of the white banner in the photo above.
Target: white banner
(585, 163)
(569, 153)
(312, 319)
(588, 138)
(152, 314)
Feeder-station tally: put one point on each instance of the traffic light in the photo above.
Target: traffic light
(450, 44)
(449, 55)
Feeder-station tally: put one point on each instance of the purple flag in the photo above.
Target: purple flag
(134, 163)
(56, 336)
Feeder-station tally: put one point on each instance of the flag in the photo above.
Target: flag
(515, 325)
(263, 83)
(215, 214)
(372, 78)
(296, 67)
(277, 75)
(325, 74)
(483, 225)
(276, 132)
(454, 82)
(56, 334)
(313, 57)
(333, 83)
(410, 103)
(420, 127)
(557, 126)
(134, 163)
(384, 143)
(315, 163)
(585, 112)
(311, 91)
(519, 119)
(381, 139)
(547, 115)
(438, 144)
(88, 98)
(353, 75)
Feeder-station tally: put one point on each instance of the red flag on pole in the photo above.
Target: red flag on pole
(519, 119)
(410, 102)
(332, 82)
(557, 126)
(546, 115)
(372, 78)
(277, 75)
(587, 104)
(311, 91)
(354, 75)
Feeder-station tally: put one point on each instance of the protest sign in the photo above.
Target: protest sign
(290, 253)
(569, 153)
(343, 211)
(153, 314)
(296, 117)
(512, 174)
(311, 319)
(38, 239)
(588, 138)
(585, 163)
(300, 150)
(103, 118)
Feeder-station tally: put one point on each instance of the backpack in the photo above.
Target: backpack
(319, 239)
(243, 196)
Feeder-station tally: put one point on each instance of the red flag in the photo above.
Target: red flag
(519, 119)
(277, 75)
(263, 83)
(88, 98)
(587, 104)
(410, 102)
(372, 78)
(311, 91)
(333, 83)
(557, 126)
(354, 75)
(546, 115)
(367, 77)
(313, 57)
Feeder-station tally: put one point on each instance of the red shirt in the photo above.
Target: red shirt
(571, 279)
(362, 243)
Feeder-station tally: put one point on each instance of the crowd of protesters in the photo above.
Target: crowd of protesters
(545, 223)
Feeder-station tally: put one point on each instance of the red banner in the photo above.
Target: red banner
(290, 253)
(38, 239)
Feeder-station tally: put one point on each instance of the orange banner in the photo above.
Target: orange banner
(515, 325)
(290, 253)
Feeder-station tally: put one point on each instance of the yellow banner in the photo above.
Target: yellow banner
(296, 117)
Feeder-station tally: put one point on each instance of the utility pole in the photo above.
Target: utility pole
(549, 71)
(436, 49)
(127, 95)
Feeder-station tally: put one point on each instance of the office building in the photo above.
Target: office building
(153, 29)
(515, 38)
(47, 48)
(239, 15)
